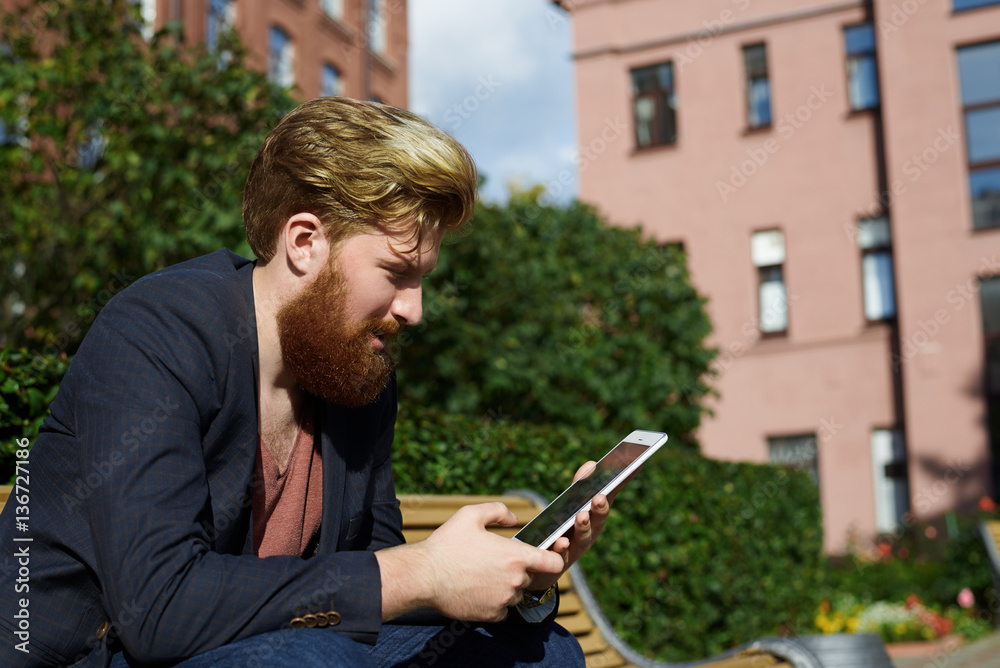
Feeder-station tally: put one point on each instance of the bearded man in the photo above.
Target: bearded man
(214, 484)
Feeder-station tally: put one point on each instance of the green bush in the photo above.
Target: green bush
(28, 384)
(699, 555)
(552, 315)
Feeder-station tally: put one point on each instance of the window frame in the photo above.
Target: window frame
(851, 56)
(991, 397)
(666, 96)
(980, 166)
(814, 471)
(877, 248)
(760, 270)
(326, 67)
(274, 70)
(981, 5)
(749, 78)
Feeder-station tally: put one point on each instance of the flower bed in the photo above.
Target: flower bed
(927, 583)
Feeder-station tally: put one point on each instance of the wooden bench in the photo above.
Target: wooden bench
(578, 611)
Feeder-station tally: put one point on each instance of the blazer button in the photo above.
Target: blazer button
(333, 617)
(322, 620)
(310, 620)
(297, 623)
(103, 629)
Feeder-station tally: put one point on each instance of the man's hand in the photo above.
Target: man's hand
(462, 570)
(583, 535)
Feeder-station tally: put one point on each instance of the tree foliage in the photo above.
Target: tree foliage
(549, 315)
(120, 155)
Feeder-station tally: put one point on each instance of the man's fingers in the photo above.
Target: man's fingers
(546, 561)
(614, 492)
(492, 513)
(585, 470)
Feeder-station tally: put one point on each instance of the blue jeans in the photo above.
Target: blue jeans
(455, 645)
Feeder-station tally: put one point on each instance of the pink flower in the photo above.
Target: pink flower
(966, 598)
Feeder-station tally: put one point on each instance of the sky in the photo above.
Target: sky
(497, 75)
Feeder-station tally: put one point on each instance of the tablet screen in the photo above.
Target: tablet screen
(572, 501)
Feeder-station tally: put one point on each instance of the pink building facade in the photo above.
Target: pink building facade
(833, 171)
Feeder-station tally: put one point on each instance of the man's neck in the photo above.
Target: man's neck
(277, 385)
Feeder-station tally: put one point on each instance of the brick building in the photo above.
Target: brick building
(356, 48)
(832, 169)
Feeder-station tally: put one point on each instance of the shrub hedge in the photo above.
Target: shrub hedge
(698, 556)
(28, 384)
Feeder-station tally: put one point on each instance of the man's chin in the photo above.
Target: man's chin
(352, 390)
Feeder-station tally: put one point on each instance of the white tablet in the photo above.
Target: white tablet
(557, 517)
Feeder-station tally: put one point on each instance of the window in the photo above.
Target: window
(862, 70)
(798, 452)
(758, 86)
(875, 242)
(654, 105)
(376, 25)
(979, 73)
(330, 85)
(972, 4)
(221, 17)
(147, 10)
(989, 296)
(281, 59)
(767, 250)
(332, 8)
(892, 496)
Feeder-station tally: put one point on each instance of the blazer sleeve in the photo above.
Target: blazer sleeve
(147, 383)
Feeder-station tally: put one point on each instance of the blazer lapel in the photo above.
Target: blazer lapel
(334, 437)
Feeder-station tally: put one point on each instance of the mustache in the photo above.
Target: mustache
(379, 327)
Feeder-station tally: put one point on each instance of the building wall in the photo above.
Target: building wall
(813, 174)
(317, 39)
(939, 254)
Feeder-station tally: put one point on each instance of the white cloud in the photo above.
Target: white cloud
(498, 76)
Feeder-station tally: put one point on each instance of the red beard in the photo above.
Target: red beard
(329, 357)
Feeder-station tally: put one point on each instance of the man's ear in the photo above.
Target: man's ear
(304, 242)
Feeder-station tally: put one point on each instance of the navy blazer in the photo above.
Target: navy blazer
(141, 485)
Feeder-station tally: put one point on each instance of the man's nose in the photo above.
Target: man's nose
(408, 306)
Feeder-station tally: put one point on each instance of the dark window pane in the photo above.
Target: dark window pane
(798, 452)
(862, 82)
(772, 300)
(993, 368)
(653, 105)
(979, 71)
(860, 39)
(755, 60)
(972, 4)
(982, 129)
(985, 187)
(989, 298)
(330, 85)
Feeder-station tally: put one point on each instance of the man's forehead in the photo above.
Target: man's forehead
(403, 245)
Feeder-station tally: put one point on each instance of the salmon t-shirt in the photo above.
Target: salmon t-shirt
(288, 506)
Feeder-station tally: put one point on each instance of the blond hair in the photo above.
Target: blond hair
(357, 166)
